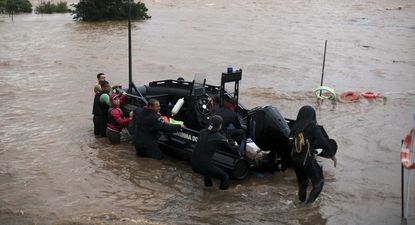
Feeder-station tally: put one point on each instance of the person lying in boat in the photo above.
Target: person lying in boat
(210, 140)
(148, 124)
(231, 124)
(116, 120)
(305, 136)
(100, 109)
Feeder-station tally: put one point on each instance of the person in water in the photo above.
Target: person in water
(116, 120)
(231, 124)
(210, 140)
(305, 137)
(148, 125)
(100, 109)
(100, 77)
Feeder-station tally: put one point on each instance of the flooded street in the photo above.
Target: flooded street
(54, 171)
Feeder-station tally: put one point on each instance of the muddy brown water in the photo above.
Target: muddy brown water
(54, 171)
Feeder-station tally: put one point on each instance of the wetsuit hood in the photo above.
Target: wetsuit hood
(305, 116)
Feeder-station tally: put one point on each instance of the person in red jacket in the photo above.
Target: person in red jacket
(116, 120)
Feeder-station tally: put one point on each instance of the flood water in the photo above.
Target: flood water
(54, 171)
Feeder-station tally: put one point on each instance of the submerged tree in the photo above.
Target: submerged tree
(49, 7)
(97, 10)
(2, 6)
(15, 6)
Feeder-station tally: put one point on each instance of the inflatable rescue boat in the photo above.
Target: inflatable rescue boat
(193, 102)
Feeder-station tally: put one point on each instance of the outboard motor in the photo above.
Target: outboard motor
(269, 130)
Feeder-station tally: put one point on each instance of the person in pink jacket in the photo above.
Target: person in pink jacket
(116, 119)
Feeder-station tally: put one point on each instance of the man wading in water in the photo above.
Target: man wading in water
(100, 109)
(147, 130)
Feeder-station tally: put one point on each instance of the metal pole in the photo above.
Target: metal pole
(130, 68)
(408, 188)
(402, 190)
(324, 63)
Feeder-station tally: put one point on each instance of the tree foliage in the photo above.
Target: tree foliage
(97, 10)
(2, 6)
(48, 7)
(15, 6)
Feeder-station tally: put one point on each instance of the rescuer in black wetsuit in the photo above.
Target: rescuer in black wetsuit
(210, 140)
(307, 136)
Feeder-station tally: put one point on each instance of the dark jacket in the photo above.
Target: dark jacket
(99, 108)
(207, 143)
(229, 117)
(316, 136)
(148, 126)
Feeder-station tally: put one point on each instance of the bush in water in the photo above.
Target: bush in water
(15, 6)
(48, 7)
(98, 10)
(2, 6)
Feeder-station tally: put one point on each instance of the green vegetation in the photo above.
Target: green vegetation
(2, 6)
(15, 6)
(48, 7)
(99, 10)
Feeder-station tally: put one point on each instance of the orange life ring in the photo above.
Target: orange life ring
(405, 151)
(369, 94)
(349, 96)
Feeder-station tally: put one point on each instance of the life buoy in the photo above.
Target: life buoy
(405, 151)
(324, 92)
(369, 94)
(349, 96)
